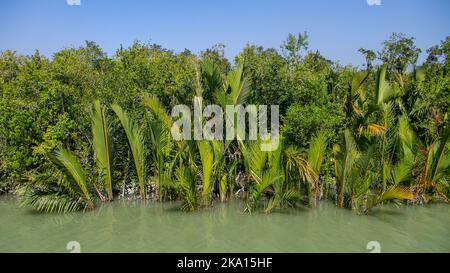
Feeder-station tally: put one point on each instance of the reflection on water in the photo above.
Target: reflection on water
(136, 227)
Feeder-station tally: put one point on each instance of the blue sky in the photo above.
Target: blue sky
(337, 28)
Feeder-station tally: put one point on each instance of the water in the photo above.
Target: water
(134, 227)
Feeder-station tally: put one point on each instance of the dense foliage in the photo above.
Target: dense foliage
(84, 127)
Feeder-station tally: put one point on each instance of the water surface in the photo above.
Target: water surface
(135, 227)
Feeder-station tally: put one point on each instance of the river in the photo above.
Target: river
(134, 227)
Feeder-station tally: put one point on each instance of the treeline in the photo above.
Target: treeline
(84, 127)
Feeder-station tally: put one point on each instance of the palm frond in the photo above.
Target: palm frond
(254, 157)
(284, 199)
(160, 137)
(296, 161)
(74, 172)
(207, 159)
(258, 189)
(403, 169)
(383, 89)
(188, 186)
(392, 193)
(316, 152)
(157, 109)
(357, 80)
(406, 135)
(102, 146)
(345, 165)
(212, 77)
(219, 148)
(137, 145)
(239, 86)
(372, 129)
(50, 192)
(52, 202)
(438, 163)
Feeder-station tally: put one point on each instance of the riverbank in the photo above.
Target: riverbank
(128, 226)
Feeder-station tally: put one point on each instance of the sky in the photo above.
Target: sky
(337, 28)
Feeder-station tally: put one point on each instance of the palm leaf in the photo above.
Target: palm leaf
(73, 171)
(357, 80)
(403, 170)
(53, 202)
(102, 146)
(383, 89)
(295, 161)
(345, 165)
(188, 186)
(157, 109)
(316, 152)
(160, 137)
(207, 159)
(438, 164)
(211, 75)
(372, 129)
(50, 192)
(392, 193)
(137, 146)
(239, 86)
(406, 136)
(254, 157)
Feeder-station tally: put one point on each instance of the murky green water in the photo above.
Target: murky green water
(131, 227)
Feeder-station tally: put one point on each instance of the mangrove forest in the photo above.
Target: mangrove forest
(82, 128)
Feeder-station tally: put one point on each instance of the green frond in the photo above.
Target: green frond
(372, 129)
(219, 148)
(284, 199)
(52, 202)
(316, 152)
(50, 192)
(136, 141)
(207, 159)
(160, 140)
(392, 193)
(102, 145)
(212, 76)
(403, 169)
(438, 163)
(239, 86)
(258, 189)
(160, 137)
(383, 89)
(406, 136)
(188, 186)
(74, 172)
(157, 109)
(254, 157)
(295, 161)
(345, 160)
(357, 80)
